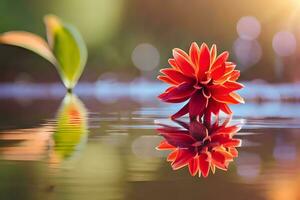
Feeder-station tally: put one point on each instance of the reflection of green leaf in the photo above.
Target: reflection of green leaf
(72, 128)
(65, 49)
(69, 49)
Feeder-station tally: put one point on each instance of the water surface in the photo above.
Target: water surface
(84, 148)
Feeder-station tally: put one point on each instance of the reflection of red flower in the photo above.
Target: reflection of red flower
(201, 148)
(208, 81)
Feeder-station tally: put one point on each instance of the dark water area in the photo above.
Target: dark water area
(82, 148)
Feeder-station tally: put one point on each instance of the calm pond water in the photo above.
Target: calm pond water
(71, 148)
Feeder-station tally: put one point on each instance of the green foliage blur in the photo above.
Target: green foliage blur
(113, 28)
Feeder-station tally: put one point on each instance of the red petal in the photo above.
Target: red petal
(213, 168)
(204, 62)
(182, 159)
(204, 164)
(217, 72)
(194, 53)
(185, 125)
(176, 76)
(164, 145)
(166, 80)
(198, 130)
(222, 79)
(173, 63)
(233, 151)
(197, 104)
(180, 100)
(224, 89)
(194, 166)
(213, 106)
(234, 75)
(172, 155)
(181, 91)
(224, 107)
(169, 89)
(181, 52)
(221, 159)
(225, 141)
(230, 130)
(178, 139)
(228, 156)
(233, 85)
(232, 143)
(183, 62)
(229, 68)
(226, 99)
(218, 158)
(213, 53)
(184, 110)
(219, 90)
(221, 59)
(237, 97)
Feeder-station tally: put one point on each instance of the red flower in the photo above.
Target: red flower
(201, 148)
(206, 80)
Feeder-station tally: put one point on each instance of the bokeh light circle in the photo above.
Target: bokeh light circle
(247, 52)
(248, 166)
(248, 28)
(284, 43)
(145, 57)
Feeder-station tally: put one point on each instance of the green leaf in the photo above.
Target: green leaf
(68, 48)
(28, 41)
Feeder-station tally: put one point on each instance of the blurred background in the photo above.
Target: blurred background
(101, 144)
(129, 38)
